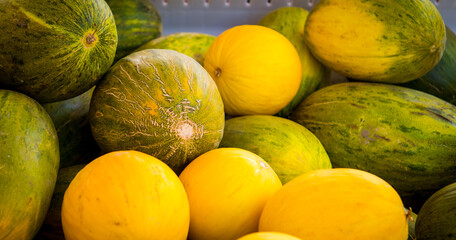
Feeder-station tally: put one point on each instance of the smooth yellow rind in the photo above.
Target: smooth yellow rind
(227, 189)
(257, 70)
(125, 195)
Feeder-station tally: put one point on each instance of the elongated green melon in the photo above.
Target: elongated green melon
(390, 41)
(160, 102)
(437, 218)
(137, 21)
(289, 148)
(29, 162)
(55, 49)
(290, 22)
(405, 136)
(71, 120)
(192, 44)
(52, 225)
(441, 80)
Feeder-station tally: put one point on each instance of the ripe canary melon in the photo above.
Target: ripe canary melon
(125, 195)
(257, 70)
(227, 189)
(339, 203)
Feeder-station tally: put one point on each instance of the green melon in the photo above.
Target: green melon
(289, 148)
(29, 162)
(160, 102)
(441, 80)
(56, 49)
(405, 136)
(137, 21)
(192, 44)
(390, 41)
(52, 225)
(71, 120)
(290, 22)
(437, 218)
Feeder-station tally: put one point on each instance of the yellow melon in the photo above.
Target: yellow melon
(125, 195)
(336, 203)
(257, 70)
(227, 189)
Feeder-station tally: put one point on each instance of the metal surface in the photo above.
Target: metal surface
(215, 16)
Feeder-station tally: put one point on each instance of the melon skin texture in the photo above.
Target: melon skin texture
(227, 189)
(159, 102)
(441, 80)
(437, 218)
(192, 44)
(71, 120)
(29, 162)
(290, 22)
(288, 147)
(57, 49)
(125, 195)
(389, 41)
(339, 203)
(257, 70)
(404, 136)
(52, 225)
(137, 22)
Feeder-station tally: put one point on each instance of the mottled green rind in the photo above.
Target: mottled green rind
(71, 120)
(402, 135)
(441, 80)
(192, 44)
(144, 100)
(414, 25)
(289, 148)
(52, 225)
(41, 46)
(437, 218)
(137, 21)
(290, 22)
(29, 162)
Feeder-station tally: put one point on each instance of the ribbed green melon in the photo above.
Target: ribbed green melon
(289, 148)
(52, 225)
(290, 22)
(411, 220)
(29, 162)
(71, 120)
(55, 49)
(390, 41)
(137, 21)
(160, 102)
(437, 218)
(405, 136)
(192, 44)
(441, 80)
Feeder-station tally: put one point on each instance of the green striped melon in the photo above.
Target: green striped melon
(52, 226)
(441, 80)
(160, 102)
(289, 148)
(29, 162)
(137, 21)
(405, 136)
(437, 218)
(71, 120)
(290, 22)
(55, 49)
(192, 44)
(390, 41)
